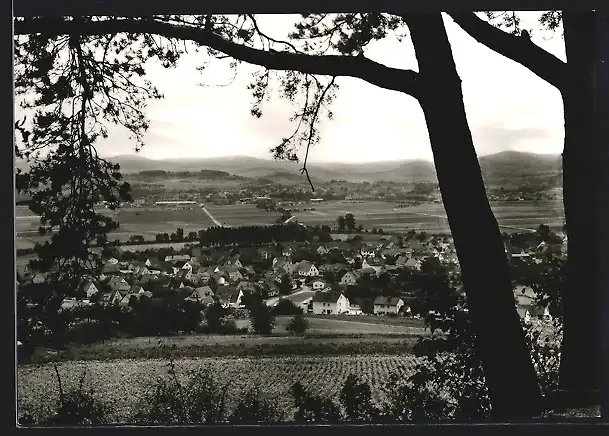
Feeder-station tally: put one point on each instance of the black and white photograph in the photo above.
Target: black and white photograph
(315, 218)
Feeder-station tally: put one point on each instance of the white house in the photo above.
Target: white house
(355, 309)
(348, 279)
(387, 305)
(330, 303)
(318, 285)
(307, 269)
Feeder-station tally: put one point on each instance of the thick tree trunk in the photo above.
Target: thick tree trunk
(510, 376)
(580, 354)
(603, 236)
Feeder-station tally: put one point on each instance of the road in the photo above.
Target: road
(211, 217)
(444, 217)
(273, 301)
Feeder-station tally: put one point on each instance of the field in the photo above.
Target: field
(430, 217)
(121, 383)
(326, 336)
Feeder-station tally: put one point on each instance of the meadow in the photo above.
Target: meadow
(516, 216)
(122, 383)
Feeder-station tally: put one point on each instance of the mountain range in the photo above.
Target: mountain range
(506, 165)
(499, 168)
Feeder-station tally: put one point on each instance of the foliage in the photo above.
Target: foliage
(214, 315)
(313, 408)
(256, 407)
(78, 407)
(287, 307)
(297, 325)
(262, 318)
(171, 401)
(356, 400)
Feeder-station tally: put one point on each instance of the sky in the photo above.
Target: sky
(508, 107)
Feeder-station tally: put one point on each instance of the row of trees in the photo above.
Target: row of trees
(437, 88)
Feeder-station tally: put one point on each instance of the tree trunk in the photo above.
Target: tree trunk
(510, 377)
(580, 354)
(603, 257)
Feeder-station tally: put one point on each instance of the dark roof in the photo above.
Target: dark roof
(326, 297)
(387, 301)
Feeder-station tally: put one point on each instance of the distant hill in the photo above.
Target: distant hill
(496, 168)
(512, 166)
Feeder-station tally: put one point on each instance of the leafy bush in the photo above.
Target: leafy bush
(170, 401)
(78, 407)
(287, 307)
(356, 400)
(255, 407)
(297, 325)
(313, 408)
(262, 318)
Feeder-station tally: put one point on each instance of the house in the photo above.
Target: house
(290, 267)
(265, 253)
(387, 305)
(318, 285)
(330, 303)
(355, 309)
(114, 297)
(307, 269)
(187, 266)
(278, 262)
(134, 295)
(152, 262)
(302, 300)
(112, 261)
(90, 289)
(349, 279)
(118, 284)
(529, 313)
(234, 276)
(177, 258)
(203, 294)
(233, 262)
(321, 250)
(246, 286)
(229, 297)
(413, 263)
(110, 268)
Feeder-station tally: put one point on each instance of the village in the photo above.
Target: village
(319, 278)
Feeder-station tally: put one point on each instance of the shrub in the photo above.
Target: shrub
(313, 408)
(78, 407)
(297, 325)
(287, 307)
(262, 318)
(356, 400)
(255, 407)
(170, 401)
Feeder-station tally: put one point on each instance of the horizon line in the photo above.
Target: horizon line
(135, 154)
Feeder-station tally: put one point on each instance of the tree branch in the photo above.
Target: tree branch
(347, 66)
(519, 49)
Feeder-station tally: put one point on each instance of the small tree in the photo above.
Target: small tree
(350, 222)
(262, 318)
(285, 285)
(297, 325)
(340, 221)
(214, 315)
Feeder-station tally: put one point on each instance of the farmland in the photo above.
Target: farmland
(429, 217)
(121, 383)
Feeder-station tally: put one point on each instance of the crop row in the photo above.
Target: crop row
(121, 383)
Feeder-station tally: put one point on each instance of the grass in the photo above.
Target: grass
(121, 382)
(430, 217)
(326, 336)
